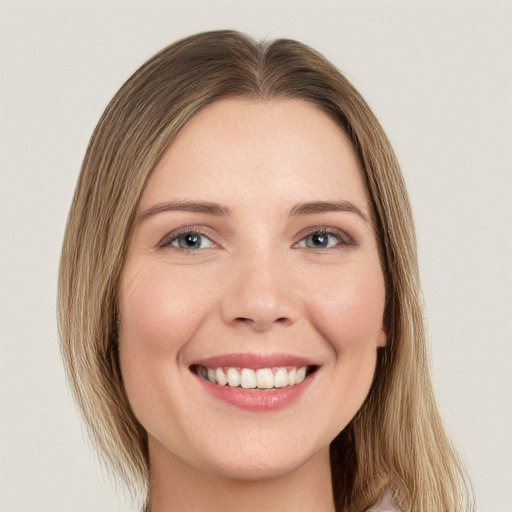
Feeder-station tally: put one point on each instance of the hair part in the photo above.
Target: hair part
(396, 438)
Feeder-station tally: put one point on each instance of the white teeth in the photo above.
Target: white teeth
(247, 378)
(233, 378)
(220, 377)
(281, 378)
(301, 375)
(264, 378)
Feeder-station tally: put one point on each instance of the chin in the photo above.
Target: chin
(255, 468)
(261, 454)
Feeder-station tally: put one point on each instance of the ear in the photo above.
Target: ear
(382, 337)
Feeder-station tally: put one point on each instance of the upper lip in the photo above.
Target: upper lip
(254, 361)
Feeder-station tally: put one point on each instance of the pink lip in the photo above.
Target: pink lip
(258, 401)
(251, 399)
(255, 361)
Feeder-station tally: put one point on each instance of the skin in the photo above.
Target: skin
(255, 285)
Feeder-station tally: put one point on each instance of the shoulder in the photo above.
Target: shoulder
(386, 503)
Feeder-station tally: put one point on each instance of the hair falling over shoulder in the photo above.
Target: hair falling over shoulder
(397, 438)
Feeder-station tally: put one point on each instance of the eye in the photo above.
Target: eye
(320, 241)
(186, 240)
(324, 239)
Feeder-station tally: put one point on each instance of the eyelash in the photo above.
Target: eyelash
(169, 239)
(342, 239)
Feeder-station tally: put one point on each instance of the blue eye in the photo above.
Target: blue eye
(187, 240)
(322, 239)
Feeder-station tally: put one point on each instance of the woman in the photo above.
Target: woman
(239, 300)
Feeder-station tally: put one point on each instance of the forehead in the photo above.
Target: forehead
(238, 150)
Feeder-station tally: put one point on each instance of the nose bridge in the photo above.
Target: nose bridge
(260, 294)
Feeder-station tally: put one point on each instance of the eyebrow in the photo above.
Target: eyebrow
(208, 207)
(327, 206)
(188, 206)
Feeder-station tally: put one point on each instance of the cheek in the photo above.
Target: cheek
(350, 313)
(157, 314)
(350, 318)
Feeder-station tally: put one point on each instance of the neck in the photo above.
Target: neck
(177, 486)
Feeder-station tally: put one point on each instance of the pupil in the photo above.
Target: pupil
(191, 241)
(319, 240)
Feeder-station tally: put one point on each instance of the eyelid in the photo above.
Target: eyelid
(342, 236)
(167, 240)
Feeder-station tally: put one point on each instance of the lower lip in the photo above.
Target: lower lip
(254, 400)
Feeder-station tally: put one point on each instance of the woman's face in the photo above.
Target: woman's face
(253, 261)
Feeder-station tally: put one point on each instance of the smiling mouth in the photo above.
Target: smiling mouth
(263, 379)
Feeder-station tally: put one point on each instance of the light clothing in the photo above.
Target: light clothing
(386, 503)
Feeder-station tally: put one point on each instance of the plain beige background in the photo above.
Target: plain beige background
(437, 75)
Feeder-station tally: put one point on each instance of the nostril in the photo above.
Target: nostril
(261, 324)
(280, 320)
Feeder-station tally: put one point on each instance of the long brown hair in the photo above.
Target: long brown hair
(396, 438)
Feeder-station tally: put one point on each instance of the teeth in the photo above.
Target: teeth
(220, 377)
(247, 378)
(301, 375)
(264, 378)
(281, 378)
(233, 378)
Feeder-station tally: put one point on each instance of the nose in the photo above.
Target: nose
(260, 295)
